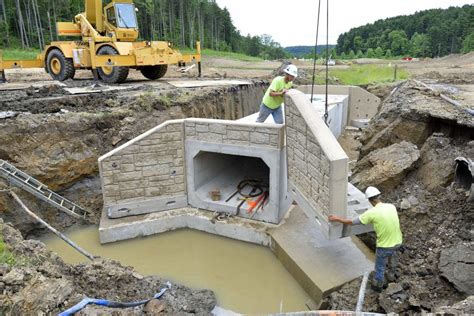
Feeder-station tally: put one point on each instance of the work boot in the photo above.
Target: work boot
(376, 286)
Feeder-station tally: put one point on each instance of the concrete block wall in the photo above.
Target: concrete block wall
(317, 165)
(362, 104)
(149, 168)
(234, 133)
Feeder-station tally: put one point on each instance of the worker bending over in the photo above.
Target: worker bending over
(384, 218)
(273, 98)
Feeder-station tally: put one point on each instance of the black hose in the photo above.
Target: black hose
(256, 185)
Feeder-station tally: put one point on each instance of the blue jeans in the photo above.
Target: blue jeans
(381, 256)
(266, 111)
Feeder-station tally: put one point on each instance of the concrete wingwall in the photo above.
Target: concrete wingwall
(362, 104)
(148, 168)
(317, 164)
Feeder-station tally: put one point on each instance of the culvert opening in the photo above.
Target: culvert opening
(463, 176)
(226, 181)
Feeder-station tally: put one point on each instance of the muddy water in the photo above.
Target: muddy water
(246, 278)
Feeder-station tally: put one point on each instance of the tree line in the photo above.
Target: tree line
(430, 33)
(32, 24)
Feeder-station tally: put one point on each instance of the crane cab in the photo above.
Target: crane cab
(120, 21)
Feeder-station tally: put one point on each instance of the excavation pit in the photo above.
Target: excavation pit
(196, 165)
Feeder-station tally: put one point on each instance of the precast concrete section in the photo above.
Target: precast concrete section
(220, 154)
(363, 105)
(317, 164)
(146, 174)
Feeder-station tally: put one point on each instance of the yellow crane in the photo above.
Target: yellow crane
(108, 46)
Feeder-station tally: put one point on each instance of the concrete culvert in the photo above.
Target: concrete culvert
(464, 175)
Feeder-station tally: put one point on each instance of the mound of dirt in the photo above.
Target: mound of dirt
(435, 217)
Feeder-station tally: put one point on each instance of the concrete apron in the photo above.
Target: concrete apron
(319, 265)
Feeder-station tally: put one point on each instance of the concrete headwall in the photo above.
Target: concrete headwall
(234, 139)
(317, 165)
(362, 104)
(234, 133)
(148, 168)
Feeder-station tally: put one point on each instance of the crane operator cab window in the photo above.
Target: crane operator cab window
(111, 16)
(124, 16)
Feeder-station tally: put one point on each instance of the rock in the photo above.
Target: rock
(4, 268)
(413, 301)
(457, 266)
(137, 275)
(393, 288)
(116, 140)
(464, 307)
(154, 307)
(396, 304)
(14, 277)
(413, 200)
(399, 130)
(437, 162)
(405, 204)
(8, 114)
(385, 168)
(45, 295)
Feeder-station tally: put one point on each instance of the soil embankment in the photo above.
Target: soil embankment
(409, 152)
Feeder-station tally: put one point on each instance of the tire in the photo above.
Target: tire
(154, 72)
(59, 67)
(117, 74)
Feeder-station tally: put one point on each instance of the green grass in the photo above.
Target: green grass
(219, 54)
(5, 256)
(362, 75)
(15, 53)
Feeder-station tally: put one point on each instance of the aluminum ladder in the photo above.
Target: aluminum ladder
(38, 189)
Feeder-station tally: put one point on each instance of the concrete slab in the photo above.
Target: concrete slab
(318, 264)
(206, 83)
(111, 230)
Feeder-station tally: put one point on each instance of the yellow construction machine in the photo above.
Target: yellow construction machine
(108, 46)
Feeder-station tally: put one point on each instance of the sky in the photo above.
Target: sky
(293, 23)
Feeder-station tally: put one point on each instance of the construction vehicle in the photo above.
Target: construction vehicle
(108, 46)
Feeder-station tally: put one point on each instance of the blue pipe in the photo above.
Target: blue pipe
(102, 302)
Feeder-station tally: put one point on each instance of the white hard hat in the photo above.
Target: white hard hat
(291, 70)
(371, 192)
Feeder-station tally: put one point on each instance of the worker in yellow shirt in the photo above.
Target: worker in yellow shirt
(384, 218)
(273, 98)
